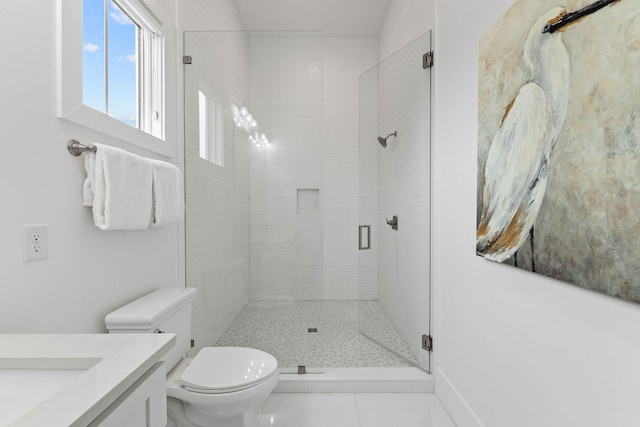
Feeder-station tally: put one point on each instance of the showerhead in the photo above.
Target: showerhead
(383, 141)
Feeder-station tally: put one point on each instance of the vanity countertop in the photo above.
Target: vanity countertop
(111, 363)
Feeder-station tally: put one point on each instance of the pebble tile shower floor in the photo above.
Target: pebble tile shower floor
(281, 329)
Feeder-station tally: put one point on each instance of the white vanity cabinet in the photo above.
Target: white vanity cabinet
(144, 404)
(106, 380)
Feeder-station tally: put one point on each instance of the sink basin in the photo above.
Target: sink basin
(70, 379)
(23, 389)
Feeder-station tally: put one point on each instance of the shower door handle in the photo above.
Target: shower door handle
(367, 237)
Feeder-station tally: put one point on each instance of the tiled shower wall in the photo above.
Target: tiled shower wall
(285, 87)
(304, 92)
(345, 60)
(368, 187)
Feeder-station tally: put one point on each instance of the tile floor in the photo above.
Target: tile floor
(370, 396)
(354, 410)
(281, 329)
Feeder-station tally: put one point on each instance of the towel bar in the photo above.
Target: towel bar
(75, 148)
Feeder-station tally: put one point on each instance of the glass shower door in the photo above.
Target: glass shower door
(254, 231)
(395, 181)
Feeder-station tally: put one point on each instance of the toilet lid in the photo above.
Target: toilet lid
(227, 369)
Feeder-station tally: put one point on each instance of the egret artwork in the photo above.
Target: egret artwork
(559, 142)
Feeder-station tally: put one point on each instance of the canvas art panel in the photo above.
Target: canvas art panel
(559, 143)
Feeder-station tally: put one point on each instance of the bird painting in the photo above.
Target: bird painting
(519, 158)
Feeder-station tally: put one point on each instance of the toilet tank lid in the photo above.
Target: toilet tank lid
(147, 311)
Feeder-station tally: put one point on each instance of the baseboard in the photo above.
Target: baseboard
(454, 403)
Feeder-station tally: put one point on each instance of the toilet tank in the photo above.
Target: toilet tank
(164, 310)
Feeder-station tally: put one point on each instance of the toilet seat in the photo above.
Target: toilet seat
(218, 370)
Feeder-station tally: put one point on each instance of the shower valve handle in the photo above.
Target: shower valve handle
(393, 222)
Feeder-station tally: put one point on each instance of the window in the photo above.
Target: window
(121, 70)
(110, 70)
(211, 127)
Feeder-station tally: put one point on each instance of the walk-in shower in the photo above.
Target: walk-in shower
(270, 236)
(383, 141)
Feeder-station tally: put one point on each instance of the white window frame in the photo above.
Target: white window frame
(151, 57)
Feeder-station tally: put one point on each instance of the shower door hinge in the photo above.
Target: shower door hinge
(427, 342)
(187, 59)
(427, 60)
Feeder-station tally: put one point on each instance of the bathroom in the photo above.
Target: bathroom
(510, 348)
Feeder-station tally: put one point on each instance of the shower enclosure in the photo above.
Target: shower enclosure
(272, 229)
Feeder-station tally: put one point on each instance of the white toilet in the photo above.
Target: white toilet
(220, 386)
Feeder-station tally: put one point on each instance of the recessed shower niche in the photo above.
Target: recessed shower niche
(308, 201)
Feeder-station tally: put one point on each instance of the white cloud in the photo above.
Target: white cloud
(133, 58)
(119, 17)
(90, 47)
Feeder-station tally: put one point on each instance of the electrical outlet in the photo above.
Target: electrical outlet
(35, 243)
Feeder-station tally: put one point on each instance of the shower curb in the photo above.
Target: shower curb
(357, 380)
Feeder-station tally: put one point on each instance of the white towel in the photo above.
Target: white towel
(118, 187)
(168, 204)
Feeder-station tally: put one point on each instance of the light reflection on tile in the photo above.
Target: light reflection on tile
(406, 410)
(353, 410)
(310, 410)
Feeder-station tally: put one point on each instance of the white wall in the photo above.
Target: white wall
(406, 20)
(513, 348)
(89, 272)
(214, 15)
(217, 219)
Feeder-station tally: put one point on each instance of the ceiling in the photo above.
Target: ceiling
(333, 17)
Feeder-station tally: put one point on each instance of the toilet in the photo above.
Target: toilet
(220, 386)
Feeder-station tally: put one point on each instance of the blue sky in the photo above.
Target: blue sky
(121, 61)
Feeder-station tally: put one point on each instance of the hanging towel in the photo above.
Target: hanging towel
(118, 187)
(168, 204)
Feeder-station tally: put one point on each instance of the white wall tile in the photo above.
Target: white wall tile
(309, 103)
